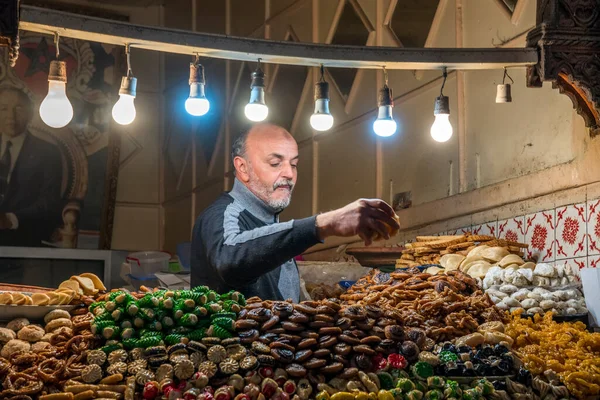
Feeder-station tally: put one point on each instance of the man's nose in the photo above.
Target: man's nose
(287, 172)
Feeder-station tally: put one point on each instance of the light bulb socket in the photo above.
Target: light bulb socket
(442, 105)
(385, 98)
(384, 112)
(322, 106)
(197, 74)
(321, 91)
(128, 86)
(58, 71)
(258, 79)
(503, 93)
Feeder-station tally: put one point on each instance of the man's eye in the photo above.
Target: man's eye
(294, 165)
(275, 165)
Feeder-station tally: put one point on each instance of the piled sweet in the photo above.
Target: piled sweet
(445, 306)
(560, 352)
(432, 249)
(536, 289)
(75, 290)
(146, 319)
(36, 360)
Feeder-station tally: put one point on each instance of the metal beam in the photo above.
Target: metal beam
(76, 26)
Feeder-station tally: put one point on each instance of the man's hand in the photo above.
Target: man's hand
(5, 222)
(366, 218)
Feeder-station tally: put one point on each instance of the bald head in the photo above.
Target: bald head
(265, 160)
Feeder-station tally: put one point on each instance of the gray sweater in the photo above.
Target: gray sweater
(239, 244)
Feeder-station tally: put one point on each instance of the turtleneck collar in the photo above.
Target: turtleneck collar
(253, 204)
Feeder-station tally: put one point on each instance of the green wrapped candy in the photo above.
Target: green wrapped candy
(167, 303)
(200, 311)
(111, 332)
(126, 323)
(94, 306)
(110, 306)
(147, 314)
(133, 309)
(98, 327)
(448, 356)
(148, 301)
(225, 323)
(212, 295)
(421, 386)
(434, 395)
(196, 334)
(188, 320)
(217, 331)
(452, 389)
(398, 395)
(138, 322)
(147, 332)
(118, 314)
(229, 315)
(471, 394)
(103, 317)
(435, 382)
(214, 307)
(405, 384)
(200, 289)
(127, 333)
(149, 341)
(129, 343)
(422, 370)
(167, 322)
(111, 347)
(173, 338)
(155, 326)
(485, 386)
(386, 381)
(182, 294)
(414, 395)
(181, 330)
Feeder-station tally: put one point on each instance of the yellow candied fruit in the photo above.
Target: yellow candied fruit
(566, 348)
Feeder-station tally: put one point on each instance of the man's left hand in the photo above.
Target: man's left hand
(5, 222)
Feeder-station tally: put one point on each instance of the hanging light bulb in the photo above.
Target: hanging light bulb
(256, 110)
(321, 120)
(56, 110)
(123, 111)
(441, 130)
(385, 125)
(503, 92)
(197, 104)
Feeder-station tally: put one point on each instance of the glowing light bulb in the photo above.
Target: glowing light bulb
(385, 125)
(256, 110)
(321, 120)
(441, 130)
(123, 111)
(56, 110)
(197, 104)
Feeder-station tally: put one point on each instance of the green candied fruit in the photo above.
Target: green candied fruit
(452, 389)
(110, 306)
(435, 394)
(405, 384)
(138, 322)
(200, 289)
(214, 307)
(111, 347)
(129, 343)
(420, 386)
(223, 315)
(188, 320)
(173, 338)
(196, 334)
(239, 298)
(118, 314)
(103, 317)
(148, 301)
(127, 333)
(94, 306)
(219, 332)
(386, 381)
(200, 311)
(189, 304)
(212, 295)
(149, 341)
(486, 387)
(435, 382)
(133, 309)
(167, 303)
(448, 356)
(231, 306)
(225, 323)
(113, 295)
(155, 326)
(414, 395)
(167, 322)
(177, 314)
(471, 394)
(126, 323)
(147, 314)
(422, 370)
(111, 332)
(98, 327)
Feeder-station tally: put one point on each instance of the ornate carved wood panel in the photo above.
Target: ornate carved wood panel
(568, 38)
(9, 28)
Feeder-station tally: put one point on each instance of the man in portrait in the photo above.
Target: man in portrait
(30, 175)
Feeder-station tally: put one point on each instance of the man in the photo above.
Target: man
(238, 242)
(30, 176)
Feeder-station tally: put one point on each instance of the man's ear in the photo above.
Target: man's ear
(241, 169)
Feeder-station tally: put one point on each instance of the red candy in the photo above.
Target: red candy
(397, 361)
(242, 396)
(265, 372)
(380, 362)
(289, 387)
(280, 381)
(150, 391)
